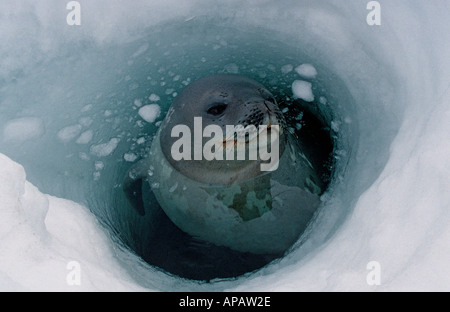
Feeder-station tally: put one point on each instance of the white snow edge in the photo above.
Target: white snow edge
(41, 234)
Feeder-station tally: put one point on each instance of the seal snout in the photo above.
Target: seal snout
(263, 112)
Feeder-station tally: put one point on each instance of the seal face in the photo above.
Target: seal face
(229, 203)
(222, 100)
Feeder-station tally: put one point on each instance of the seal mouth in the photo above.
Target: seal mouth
(250, 140)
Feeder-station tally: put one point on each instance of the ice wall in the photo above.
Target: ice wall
(388, 202)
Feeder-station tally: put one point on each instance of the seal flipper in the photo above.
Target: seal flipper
(132, 185)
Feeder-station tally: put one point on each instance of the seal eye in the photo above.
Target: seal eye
(217, 109)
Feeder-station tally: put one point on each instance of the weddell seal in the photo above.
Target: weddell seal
(212, 173)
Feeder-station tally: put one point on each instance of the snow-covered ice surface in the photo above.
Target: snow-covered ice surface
(386, 88)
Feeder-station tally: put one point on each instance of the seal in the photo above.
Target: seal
(229, 202)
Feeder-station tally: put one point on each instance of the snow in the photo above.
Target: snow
(302, 90)
(42, 234)
(395, 188)
(150, 112)
(23, 129)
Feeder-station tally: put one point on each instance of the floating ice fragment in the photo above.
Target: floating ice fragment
(84, 156)
(69, 133)
(85, 137)
(86, 108)
(306, 71)
(150, 171)
(141, 50)
(285, 69)
(173, 188)
(130, 157)
(302, 90)
(154, 98)
(231, 68)
(150, 112)
(99, 165)
(23, 129)
(96, 175)
(105, 149)
(335, 125)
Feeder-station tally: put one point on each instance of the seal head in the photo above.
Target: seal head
(223, 100)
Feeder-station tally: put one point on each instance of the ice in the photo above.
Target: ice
(154, 97)
(41, 234)
(69, 133)
(141, 50)
(85, 137)
(285, 69)
(302, 90)
(86, 108)
(130, 157)
(150, 112)
(306, 71)
(395, 130)
(23, 129)
(86, 121)
(99, 165)
(231, 68)
(105, 149)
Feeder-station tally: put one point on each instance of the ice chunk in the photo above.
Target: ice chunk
(69, 133)
(302, 90)
(99, 165)
(85, 137)
(286, 69)
(150, 112)
(86, 108)
(306, 71)
(154, 98)
(140, 140)
(231, 68)
(23, 129)
(141, 50)
(105, 149)
(130, 157)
